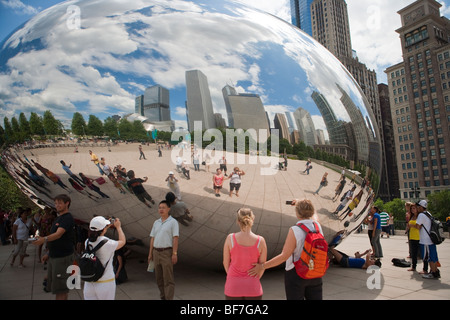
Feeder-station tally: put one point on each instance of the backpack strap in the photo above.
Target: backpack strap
(306, 229)
(98, 246)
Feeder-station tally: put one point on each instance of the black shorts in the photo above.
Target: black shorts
(223, 167)
(234, 186)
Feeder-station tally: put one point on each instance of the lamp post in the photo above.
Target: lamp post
(416, 191)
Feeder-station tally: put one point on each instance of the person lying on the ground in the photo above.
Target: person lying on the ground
(357, 261)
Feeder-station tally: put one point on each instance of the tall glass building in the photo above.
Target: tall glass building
(301, 15)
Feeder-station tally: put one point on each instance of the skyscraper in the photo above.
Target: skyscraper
(199, 104)
(419, 90)
(245, 110)
(305, 127)
(281, 124)
(301, 15)
(156, 106)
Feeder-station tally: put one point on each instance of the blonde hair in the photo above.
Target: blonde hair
(304, 209)
(245, 217)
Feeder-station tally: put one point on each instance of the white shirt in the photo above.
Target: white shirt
(423, 220)
(163, 232)
(105, 253)
(23, 229)
(300, 237)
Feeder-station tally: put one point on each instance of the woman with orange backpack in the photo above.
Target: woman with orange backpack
(303, 276)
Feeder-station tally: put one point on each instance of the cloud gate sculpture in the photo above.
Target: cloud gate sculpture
(214, 57)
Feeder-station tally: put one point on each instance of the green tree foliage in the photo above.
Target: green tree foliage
(11, 197)
(94, 126)
(36, 124)
(8, 130)
(439, 204)
(78, 124)
(110, 127)
(24, 126)
(51, 125)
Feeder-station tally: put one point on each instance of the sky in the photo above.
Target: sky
(372, 25)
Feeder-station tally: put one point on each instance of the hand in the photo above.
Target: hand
(257, 271)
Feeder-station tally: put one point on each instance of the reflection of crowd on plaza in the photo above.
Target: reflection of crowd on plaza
(244, 252)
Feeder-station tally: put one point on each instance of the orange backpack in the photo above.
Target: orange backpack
(313, 262)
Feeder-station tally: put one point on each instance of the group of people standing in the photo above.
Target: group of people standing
(418, 228)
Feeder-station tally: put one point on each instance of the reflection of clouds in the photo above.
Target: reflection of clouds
(101, 66)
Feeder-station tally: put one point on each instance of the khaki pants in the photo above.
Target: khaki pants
(164, 273)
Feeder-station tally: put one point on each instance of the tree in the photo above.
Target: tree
(95, 126)
(51, 125)
(110, 127)
(78, 124)
(36, 125)
(8, 130)
(24, 125)
(439, 204)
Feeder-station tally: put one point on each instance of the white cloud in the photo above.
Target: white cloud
(19, 7)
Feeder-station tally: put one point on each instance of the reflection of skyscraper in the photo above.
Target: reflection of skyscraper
(359, 127)
(336, 131)
(139, 105)
(290, 121)
(305, 127)
(320, 136)
(245, 110)
(199, 103)
(281, 124)
(156, 104)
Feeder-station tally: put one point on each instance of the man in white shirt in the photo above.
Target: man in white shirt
(163, 250)
(427, 247)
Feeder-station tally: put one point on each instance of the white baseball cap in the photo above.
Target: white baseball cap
(422, 203)
(99, 223)
(171, 172)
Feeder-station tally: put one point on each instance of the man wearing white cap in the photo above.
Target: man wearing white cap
(105, 287)
(427, 247)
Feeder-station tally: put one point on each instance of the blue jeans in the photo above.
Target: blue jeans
(376, 243)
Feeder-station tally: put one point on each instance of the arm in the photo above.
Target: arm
(226, 253)
(375, 222)
(52, 237)
(288, 249)
(175, 250)
(122, 240)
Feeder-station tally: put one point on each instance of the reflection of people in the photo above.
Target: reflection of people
(218, 182)
(138, 189)
(323, 183)
(235, 180)
(354, 262)
(178, 209)
(296, 287)
(94, 159)
(172, 183)
(240, 251)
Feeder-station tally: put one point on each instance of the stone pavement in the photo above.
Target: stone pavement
(199, 284)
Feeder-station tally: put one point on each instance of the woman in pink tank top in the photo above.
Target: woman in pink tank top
(240, 252)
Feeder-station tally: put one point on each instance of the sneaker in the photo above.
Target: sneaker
(430, 276)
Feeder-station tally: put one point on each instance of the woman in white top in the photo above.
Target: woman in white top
(105, 287)
(296, 287)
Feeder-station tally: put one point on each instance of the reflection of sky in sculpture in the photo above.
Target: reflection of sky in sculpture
(124, 47)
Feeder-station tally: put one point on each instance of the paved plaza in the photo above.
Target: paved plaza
(197, 284)
(198, 280)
